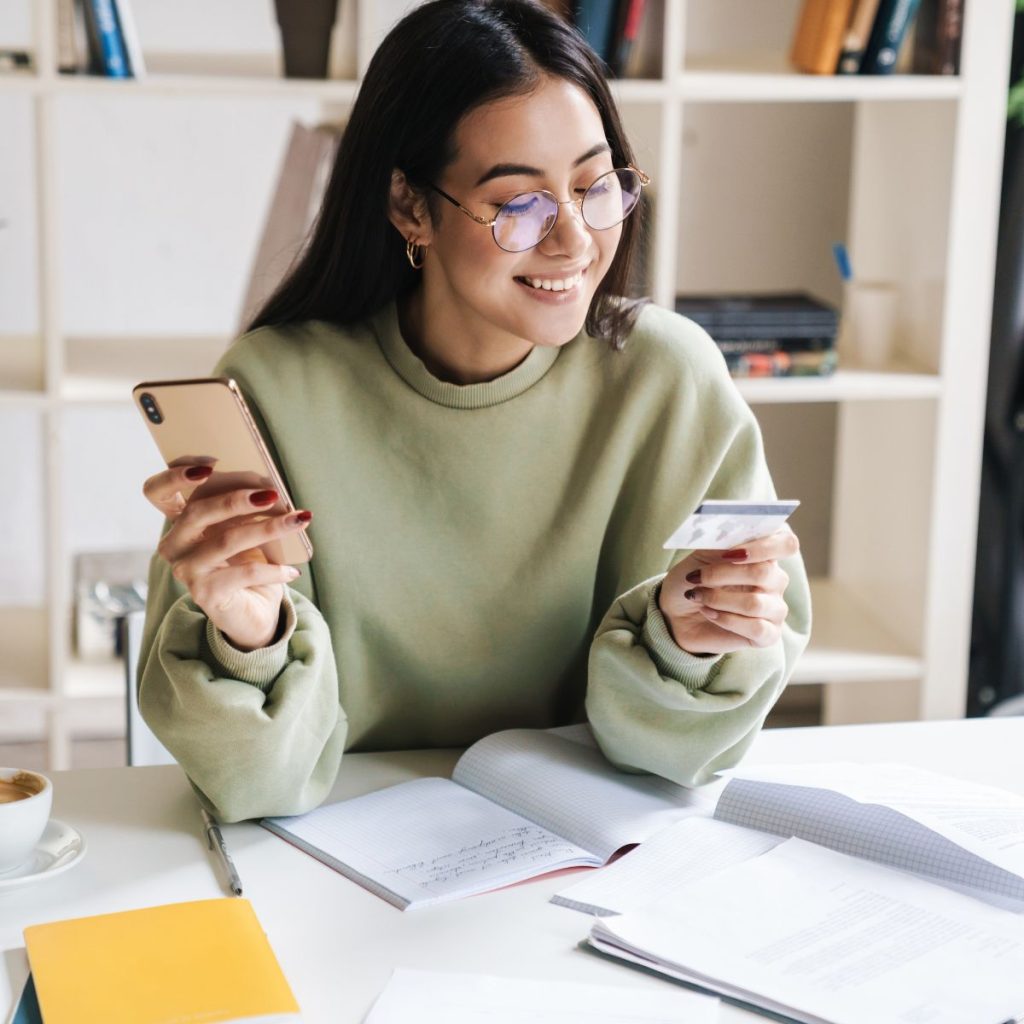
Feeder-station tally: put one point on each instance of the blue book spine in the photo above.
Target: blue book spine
(115, 59)
(887, 35)
(596, 21)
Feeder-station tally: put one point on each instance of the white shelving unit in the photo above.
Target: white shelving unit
(756, 168)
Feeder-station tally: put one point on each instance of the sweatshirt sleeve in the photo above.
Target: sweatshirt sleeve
(654, 707)
(258, 733)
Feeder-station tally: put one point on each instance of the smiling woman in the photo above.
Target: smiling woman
(495, 439)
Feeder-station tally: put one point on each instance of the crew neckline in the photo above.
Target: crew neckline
(412, 370)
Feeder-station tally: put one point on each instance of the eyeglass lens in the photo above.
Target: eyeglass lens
(525, 221)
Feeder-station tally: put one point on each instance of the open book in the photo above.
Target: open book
(962, 835)
(520, 803)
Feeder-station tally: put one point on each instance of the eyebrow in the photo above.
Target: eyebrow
(506, 170)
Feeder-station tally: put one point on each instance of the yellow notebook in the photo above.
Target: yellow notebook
(204, 961)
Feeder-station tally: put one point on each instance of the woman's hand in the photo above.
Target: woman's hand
(720, 601)
(213, 549)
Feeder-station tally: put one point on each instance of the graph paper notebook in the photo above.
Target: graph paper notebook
(962, 834)
(520, 803)
(203, 961)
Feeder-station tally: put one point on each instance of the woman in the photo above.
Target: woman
(495, 445)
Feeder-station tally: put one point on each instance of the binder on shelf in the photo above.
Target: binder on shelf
(857, 34)
(887, 36)
(819, 36)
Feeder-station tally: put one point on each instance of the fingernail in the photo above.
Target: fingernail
(693, 595)
(737, 555)
(693, 577)
(292, 573)
(198, 472)
(263, 497)
(300, 518)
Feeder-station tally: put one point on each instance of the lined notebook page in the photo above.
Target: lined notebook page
(572, 790)
(427, 841)
(663, 866)
(867, 830)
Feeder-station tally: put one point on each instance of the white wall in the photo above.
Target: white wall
(161, 204)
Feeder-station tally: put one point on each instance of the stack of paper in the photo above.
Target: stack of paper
(817, 936)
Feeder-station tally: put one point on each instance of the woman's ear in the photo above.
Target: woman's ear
(407, 210)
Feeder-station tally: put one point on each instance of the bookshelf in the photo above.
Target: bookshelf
(757, 170)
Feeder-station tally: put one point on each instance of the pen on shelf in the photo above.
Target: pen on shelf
(216, 841)
(842, 260)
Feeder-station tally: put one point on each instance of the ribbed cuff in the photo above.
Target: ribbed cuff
(671, 660)
(260, 667)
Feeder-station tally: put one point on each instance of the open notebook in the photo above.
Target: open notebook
(520, 803)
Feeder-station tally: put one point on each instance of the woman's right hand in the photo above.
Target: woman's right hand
(213, 548)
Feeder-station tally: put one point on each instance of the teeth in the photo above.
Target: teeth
(561, 285)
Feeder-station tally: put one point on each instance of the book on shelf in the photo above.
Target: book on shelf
(98, 37)
(780, 363)
(204, 960)
(108, 55)
(892, 23)
(937, 35)
(295, 202)
(519, 804)
(820, 32)
(783, 334)
(855, 40)
(613, 30)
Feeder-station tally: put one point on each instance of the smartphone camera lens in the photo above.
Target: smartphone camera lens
(150, 408)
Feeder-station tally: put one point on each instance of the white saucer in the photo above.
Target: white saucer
(61, 847)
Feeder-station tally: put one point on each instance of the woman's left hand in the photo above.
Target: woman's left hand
(720, 601)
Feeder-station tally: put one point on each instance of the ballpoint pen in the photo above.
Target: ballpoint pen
(216, 841)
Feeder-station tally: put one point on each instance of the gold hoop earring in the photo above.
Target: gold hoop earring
(412, 255)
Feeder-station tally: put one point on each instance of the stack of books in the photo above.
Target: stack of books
(790, 334)
(869, 37)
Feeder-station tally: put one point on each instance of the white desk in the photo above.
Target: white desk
(336, 942)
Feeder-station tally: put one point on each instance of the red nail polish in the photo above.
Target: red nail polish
(693, 577)
(198, 472)
(304, 516)
(738, 555)
(263, 497)
(692, 595)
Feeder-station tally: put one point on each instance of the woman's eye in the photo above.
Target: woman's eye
(518, 208)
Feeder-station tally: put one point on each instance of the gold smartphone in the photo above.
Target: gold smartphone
(207, 421)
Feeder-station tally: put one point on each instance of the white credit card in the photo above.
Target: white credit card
(726, 524)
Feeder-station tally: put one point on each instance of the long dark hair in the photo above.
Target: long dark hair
(438, 63)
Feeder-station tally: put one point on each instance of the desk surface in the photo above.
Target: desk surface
(337, 943)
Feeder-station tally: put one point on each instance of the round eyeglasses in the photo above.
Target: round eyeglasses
(527, 219)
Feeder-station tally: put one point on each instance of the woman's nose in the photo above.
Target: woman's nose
(570, 235)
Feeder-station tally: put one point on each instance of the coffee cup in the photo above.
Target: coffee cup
(25, 799)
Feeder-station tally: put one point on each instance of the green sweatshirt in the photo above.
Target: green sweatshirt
(486, 556)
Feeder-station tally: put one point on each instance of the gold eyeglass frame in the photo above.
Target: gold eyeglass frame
(645, 180)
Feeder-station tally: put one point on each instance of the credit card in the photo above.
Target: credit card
(720, 525)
